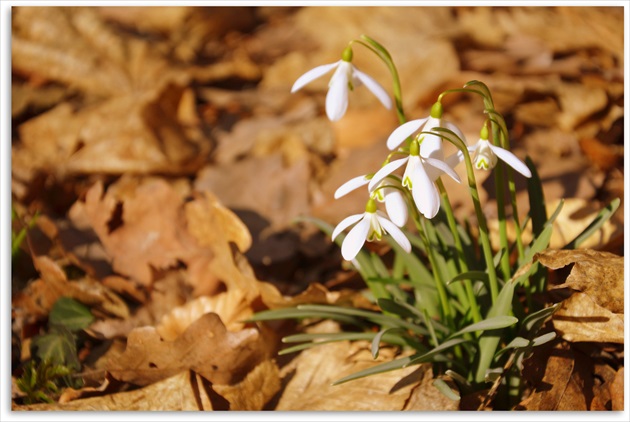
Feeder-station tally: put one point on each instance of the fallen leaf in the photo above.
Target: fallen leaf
(255, 390)
(206, 347)
(560, 379)
(231, 306)
(179, 392)
(425, 397)
(594, 312)
(311, 373)
(599, 275)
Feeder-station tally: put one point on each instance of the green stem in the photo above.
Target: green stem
(481, 219)
(463, 265)
(439, 282)
(384, 55)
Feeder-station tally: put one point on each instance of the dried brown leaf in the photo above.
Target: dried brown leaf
(231, 306)
(595, 311)
(426, 397)
(598, 274)
(560, 378)
(311, 373)
(206, 347)
(258, 387)
(177, 393)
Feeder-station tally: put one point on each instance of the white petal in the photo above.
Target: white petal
(355, 239)
(451, 126)
(385, 171)
(442, 166)
(403, 131)
(431, 147)
(345, 223)
(511, 159)
(375, 88)
(337, 97)
(313, 74)
(396, 233)
(425, 194)
(454, 159)
(350, 185)
(396, 207)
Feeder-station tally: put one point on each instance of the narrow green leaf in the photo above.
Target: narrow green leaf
(537, 209)
(437, 350)
(601, 218)
(377, 369)
(294, 313)
(545, 338)
(443, 388)
(492, 323)
(470, 275)
(532, 322)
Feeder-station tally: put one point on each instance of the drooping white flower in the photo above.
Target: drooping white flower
(486, 155)
(431, 146)
(387, 191)
(345, 78)
(370, 226)
(419, 177)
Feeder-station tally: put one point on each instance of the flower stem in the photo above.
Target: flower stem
(463, 265)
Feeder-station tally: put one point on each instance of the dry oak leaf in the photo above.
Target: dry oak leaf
(231, 306)
(256, 389)
(206, 347)
(595, 311)
(180, 392)
(311, 374)
(561, 379)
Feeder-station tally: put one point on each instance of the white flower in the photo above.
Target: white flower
(370, 226)
(345, 78)
(419, 177)
(431, 146)
(486, 155)
(394, 200)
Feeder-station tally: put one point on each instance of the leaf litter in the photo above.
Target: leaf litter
(131, 129)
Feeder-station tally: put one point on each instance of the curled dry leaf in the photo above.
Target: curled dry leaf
(595, 311)
(231, 306)
(258, 387)
(206, 347)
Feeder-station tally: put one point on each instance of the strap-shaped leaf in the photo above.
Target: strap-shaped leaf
(493, 323)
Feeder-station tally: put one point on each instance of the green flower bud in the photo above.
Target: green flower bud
(414, 147)
(346, 56)
(484, 132)
(436, 110)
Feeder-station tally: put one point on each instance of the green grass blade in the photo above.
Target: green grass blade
(601, 218)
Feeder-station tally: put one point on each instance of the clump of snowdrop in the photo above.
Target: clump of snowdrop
(448, 295)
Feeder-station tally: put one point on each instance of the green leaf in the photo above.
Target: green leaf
(443, 388)
(492, 323)
(377, 369)
(70, 314)
(532, 322)
(58, 347)
(437, 350)
(537, 209)
(470, 275)
(376, 341)
(601, 218)
(294, 313)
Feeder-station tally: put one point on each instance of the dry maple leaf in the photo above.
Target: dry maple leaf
(206, 347)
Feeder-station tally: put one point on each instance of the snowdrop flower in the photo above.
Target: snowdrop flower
(345, 78)
(419, 176)
(370, 226)
(394, 200)
(486, 155)
(431, 146)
